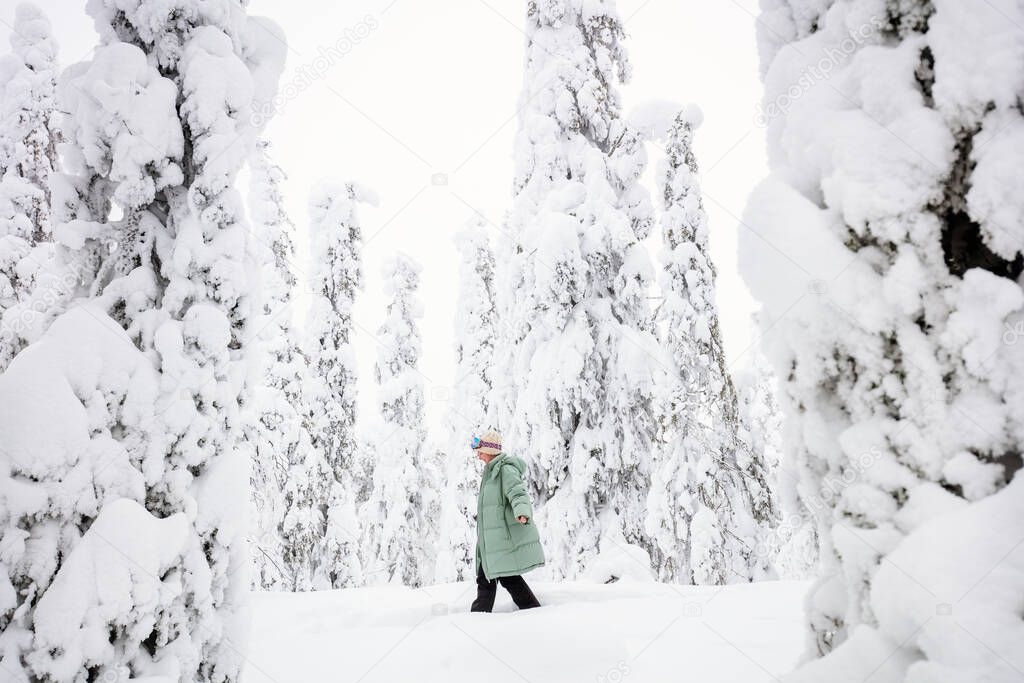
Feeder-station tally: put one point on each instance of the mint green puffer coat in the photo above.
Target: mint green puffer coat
(505, 547)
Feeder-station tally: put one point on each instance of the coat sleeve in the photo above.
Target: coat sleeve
(515, 492)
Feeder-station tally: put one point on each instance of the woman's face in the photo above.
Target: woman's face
(483, 456)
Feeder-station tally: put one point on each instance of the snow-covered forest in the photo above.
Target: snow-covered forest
(768, 423)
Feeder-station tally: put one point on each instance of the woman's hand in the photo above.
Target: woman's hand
(522, 520)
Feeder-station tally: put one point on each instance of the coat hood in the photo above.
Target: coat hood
(494, 466)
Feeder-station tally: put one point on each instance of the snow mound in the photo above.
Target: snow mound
(584, 632)
(618, 560)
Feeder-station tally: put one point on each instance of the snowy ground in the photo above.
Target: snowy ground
(585, 632)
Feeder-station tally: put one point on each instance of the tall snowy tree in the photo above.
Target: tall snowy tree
(277, 427)
(28, 141)
(28, 157)
(790, 545)
(709, 495)
(336, 270)
(16, 200)
(149, 398)
(470, 410)
(304, 525)
(397, 524)
(886, 248)
(582, 356)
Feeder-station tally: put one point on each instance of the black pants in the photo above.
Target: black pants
(487, 589)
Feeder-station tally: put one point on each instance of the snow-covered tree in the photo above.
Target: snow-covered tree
(470, 408)
(156, 132)
(28, 140)
(304, 525)
(28, 157)
(277, 426)
(760, 416)
(397, 524)
(790, 545)
(581, 356)
(17, 197)
(336, 270)
(709, 494)
(886, 249)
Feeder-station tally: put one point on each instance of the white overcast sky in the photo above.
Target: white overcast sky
(432, 89)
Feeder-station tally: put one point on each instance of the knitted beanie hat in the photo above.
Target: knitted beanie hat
(490, 443)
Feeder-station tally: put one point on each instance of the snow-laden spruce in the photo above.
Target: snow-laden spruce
(471, 410)
(885, 247)
(28, 143)
(400, 517)
(277, 424)
(580, 377)
(709, 498)
(335, 269)
(28, 157)
(304, 524)
(790, 545)
(148, 378)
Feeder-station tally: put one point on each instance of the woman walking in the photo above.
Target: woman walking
(507, 542)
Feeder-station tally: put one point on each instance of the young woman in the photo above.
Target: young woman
(507, 542)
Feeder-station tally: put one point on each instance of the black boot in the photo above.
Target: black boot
(485, 592)
(520, 592)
